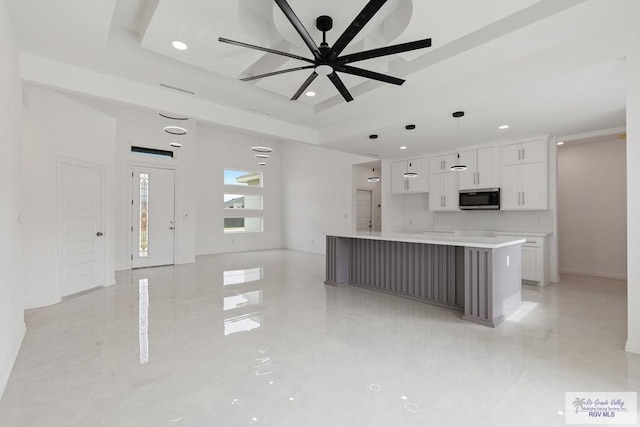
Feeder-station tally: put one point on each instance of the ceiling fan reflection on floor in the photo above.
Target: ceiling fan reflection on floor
(327, 60)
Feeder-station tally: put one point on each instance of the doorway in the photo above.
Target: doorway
(80, 226)
(363, 210)
(153, 217)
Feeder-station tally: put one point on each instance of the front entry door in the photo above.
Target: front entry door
(80, 222)
(153, 217)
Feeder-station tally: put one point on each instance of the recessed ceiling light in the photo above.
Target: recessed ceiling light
(310, 93)
(560, 142)
(503, 127)
(179, 45)
(404, 147)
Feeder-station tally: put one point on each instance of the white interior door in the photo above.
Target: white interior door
(153, 217)
(363, 210)
(80, 222)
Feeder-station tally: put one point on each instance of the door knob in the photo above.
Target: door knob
(99, 234)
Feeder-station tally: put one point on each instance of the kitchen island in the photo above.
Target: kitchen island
(480, 276)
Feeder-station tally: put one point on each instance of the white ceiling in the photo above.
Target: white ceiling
(543, 67)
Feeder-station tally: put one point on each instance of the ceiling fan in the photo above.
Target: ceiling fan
(326, 59)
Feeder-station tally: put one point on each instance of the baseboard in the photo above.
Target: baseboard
(11, 360)
(632, 347)
(594, 274)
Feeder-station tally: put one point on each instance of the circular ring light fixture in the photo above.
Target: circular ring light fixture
(262, 156)
(176, 145)
(175, 130)
(262, 164)
(167, 116)
(259, 149)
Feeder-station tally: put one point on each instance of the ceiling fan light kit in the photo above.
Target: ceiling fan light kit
(327, 60)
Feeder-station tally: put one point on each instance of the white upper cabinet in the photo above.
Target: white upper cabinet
(524, 152)
(524, 176)
(440, 164)
(482, 168)
(417, 184)
(443, 191)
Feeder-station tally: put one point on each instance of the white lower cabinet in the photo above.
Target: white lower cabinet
(533, 256)
(443, 191)
(531, 263)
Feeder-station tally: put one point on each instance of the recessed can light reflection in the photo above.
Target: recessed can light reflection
(375, 387)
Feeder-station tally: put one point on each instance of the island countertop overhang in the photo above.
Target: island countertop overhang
(464, 241)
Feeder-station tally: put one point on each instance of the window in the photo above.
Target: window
(243, 224)
(243, 201)
(236, 217)
(243, 178)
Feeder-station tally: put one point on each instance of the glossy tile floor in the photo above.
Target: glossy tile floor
(257, 339)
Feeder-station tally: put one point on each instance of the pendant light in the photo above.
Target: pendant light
(374, 177)
(408, 174)
(458, 166)
(174, 130)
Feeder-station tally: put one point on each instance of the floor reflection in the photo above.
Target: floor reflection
(243, 299)
(234, 277)
(143, 319)
(244, 323)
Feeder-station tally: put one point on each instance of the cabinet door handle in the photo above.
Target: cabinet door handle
(444, 201)
(523, 154)
(523, 197)
(478, 175)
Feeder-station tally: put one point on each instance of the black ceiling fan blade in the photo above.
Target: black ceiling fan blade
(275, 73)
(304, 86)
(302, 31)
(340, 86)
(354, 28)
(370, 75)
(383, 51)
(264, 49)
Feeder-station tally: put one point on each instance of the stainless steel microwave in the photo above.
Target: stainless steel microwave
(485, 199)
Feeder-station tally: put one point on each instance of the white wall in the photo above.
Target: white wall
(360, 178)
(633, 201)
(56, 126)
(317, 193)
(145, 128)
(219, 149)
(592, 209)
(12, 326)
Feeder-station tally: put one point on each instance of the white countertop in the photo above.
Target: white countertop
(452, 240)
(486, 233)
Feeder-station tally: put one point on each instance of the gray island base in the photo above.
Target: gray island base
(480, 276)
